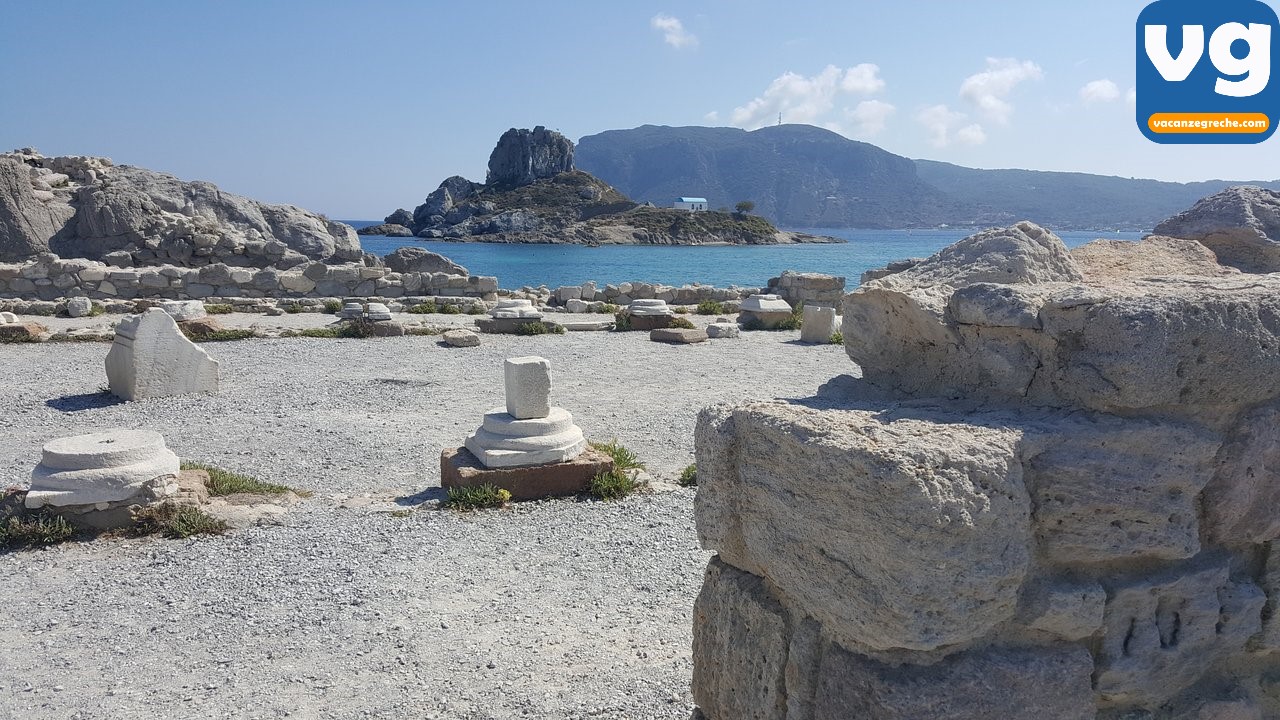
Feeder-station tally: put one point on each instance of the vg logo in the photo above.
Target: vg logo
(1206, 71)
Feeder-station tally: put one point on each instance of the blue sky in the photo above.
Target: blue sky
(356, 108)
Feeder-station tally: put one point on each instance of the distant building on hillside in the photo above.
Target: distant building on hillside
(691, 204)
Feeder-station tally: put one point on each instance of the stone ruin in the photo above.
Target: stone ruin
(764, 312)
(99, 480)
(508, 315)
(819, 324)
(150, 357)
(808, 288)
(529, 447)
(1051, 494)
(651, 314)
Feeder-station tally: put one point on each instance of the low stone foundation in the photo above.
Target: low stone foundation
(459, 468)
(50, 278)
(808, 288)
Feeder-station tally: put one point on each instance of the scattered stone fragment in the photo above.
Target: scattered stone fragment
(78, 307)
(152, 358)
(461, 338)
(678, 336)
(723, 330)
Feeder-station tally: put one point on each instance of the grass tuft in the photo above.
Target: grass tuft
(837, 338)
(225, 482)
(621, 322)
(176, 521)
(34, 531)
(331, 307)
(219, 309)
(539, 328)
(681, 322)
(623, 457)
(477, 498)
(613, 485)
(293, 308)
(426, 308)
(688, 476)
(225, 335)
(451, 310)
(709, 307)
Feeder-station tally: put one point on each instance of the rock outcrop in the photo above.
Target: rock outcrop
(418, 260)
(386, 229)
(1241, 225)
(91, 208)
(534, 195)
(1049, 494)
(525, 156)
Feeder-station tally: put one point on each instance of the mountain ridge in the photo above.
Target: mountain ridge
(804, 176)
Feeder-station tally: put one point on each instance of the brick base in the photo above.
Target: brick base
(459, 468)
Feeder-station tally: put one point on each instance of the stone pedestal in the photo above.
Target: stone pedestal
(102, 469)
(678, 336)
(152, 358)
(460, 468)
(819, 324)
(764, 311)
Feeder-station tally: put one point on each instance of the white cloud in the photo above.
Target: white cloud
(803, 99)
(1132, 96)
(712, 117)
(989, 89)
(870, 117)
(946, 126)
(1099, 91)
(862, 79)
(673, 32)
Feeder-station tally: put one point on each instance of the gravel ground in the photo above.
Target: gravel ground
(554, 609)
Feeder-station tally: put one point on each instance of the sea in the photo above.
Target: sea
(518, 265)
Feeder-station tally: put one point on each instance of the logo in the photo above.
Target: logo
(1206, 71)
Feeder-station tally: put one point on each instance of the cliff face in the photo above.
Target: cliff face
(523, 156)
(85, 207)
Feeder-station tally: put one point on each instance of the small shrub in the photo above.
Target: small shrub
(607, 309)
(682, 323)
(837, 338)
(477, 498)
(358, 328)
(19, 337)
(42, 311)
(225, 335)
(792, 323)
(331, 307)
(682, 310)
(623, 457)
(426, 308)
(82, 337)
(709, 307)
(97, 309)
(539, 328)
(450, 310)
(294, 308)
(219, 309)
(34, 530)
(225, 482)
(420, 331)
(613, 485)
(688, 476)
(621, 322)
(176, 521)
(321, 332)
(475, 309)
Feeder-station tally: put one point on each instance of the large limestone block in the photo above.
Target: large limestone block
(740, 642)
(1163, 633)
(184, 310)
(992, 684)
(1071, 610)
(1022, 253)
(819, 324)
(1241, 225)
(152, 358)
(528, 386)
(104, 467)
(893, 532)
(1153, 256)
(1242, 499)
(1108, 489)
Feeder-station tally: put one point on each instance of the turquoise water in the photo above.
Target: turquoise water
(748, 266)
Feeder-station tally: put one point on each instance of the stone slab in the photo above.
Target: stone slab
(460, 468)
(678, 336)
(819, 324)
(152, 358)
(461, 338)
(723, 330)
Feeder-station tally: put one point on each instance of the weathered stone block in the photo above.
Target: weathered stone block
(1110, 489)
(1163, 633)
(152, 358)
(819, 324)
(986, 684)
(740, 647)
(678, 336)
(1071, 610)
(1240, 502)
(894, 533)
(528, 387)
(460, 468)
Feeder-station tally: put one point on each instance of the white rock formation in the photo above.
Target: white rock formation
(529, 431)
(105, 467)
(819, 324)
(722, 330)
(512, 309)
(152, 358)
(649, 308)
(183, 310)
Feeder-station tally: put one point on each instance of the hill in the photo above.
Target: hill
(804, 176)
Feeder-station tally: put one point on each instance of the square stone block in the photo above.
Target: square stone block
(678, 336)
(528, 386)
(460, 468)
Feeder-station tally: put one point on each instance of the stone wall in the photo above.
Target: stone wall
(624, 293)
(49, 278)
(1049, 497)
(808, 288)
